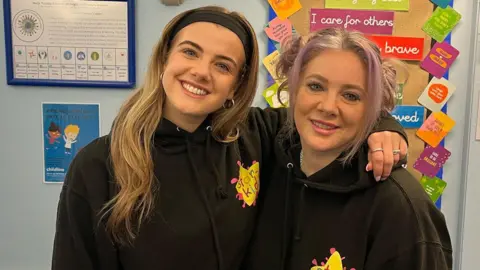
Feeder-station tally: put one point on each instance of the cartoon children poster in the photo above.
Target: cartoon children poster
(66, 129)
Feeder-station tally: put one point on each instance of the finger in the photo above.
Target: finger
(396, 139)
(377, 164)
(375, 157)
(369, 164)
(387, 155)
(403, 149)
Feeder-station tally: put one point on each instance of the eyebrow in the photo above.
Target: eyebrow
(196, 46)
(325, 80)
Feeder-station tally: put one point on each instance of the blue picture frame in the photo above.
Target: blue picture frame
(128, 79)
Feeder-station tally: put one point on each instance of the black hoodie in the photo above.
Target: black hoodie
(204, 215)
(341, 218)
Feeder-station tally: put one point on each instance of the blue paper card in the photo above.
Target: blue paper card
(409, 116)
(441, 3)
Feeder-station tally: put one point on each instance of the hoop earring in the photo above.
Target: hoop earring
(229, 103)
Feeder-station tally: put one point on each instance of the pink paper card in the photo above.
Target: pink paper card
(431, 160)
(367, 22)
(279, 29)
(439, 59)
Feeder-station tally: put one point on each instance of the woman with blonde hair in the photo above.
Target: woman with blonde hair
(175, 183)
(323, 210)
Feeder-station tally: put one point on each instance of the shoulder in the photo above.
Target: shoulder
(403, 205)
(89, 172)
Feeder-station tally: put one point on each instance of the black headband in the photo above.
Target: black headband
(220, 18)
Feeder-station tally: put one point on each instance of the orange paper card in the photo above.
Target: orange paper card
(285, 8)
(435, 128)
(403, 48)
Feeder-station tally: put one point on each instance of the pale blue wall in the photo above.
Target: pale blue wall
(28, 207)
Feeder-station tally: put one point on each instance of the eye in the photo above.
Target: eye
(351, 97)
(189, 52)
(223, 67)
(315, 86)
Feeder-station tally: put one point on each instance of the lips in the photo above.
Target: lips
(324, 128)
(194, 89)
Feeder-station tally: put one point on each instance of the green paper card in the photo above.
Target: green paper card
(398, 5)
(441, 23)
(399, 94)
(434, 187)
(270, 95)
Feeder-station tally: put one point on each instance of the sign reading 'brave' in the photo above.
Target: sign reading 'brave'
(403, 48)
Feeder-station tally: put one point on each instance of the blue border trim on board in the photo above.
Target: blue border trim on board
(271, 48)
(71, 83)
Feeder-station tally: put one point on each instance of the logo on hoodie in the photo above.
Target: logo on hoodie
(247, 183)
(334, 262)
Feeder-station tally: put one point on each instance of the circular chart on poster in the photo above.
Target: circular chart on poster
(27, 25)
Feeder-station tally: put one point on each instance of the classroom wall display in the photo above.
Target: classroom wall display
(66, 129)
(70, 43)
(418, 32)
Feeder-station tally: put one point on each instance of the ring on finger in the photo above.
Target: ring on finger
(377, 149)
(396, 151)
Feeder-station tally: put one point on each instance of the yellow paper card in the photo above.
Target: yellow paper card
(435, 128)
(285, 8)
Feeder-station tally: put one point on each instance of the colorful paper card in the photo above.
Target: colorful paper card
(396, 5)
(441, 3)
(439, 59)
(409, 116)
(285, 8)
(367, 22)
(434, 187)
(431, 160)
(270, 62)
(271, 96)
(403, 48)
(399, 94)
(436, 94)
(278, 31)
(435, 128)
(441, 23)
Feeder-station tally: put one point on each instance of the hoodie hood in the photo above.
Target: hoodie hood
(335, 177)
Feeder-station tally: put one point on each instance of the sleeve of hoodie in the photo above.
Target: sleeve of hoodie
(407, 230)
(79, 244)
(389, 123)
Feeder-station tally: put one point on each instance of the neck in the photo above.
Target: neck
(183, 121)
(314, 161)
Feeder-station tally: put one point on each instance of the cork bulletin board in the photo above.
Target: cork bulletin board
(409, 23)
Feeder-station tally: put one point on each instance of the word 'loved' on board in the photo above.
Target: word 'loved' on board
(368, 22)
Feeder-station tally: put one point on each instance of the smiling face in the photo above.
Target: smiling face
(331, 101)
(201, 73)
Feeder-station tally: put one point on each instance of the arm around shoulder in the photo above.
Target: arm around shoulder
(80, 241)
(388, 123)
(407, 230)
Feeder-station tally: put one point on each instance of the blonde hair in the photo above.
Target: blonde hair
(134, 127)
(381, 74)
(72, 129)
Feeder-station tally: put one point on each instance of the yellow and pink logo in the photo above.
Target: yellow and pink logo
(247, 183)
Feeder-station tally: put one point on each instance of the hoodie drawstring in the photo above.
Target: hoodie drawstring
(211, 217)
(221, 192)
(298, 226)
(285, 241)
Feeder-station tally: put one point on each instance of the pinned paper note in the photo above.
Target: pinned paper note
(397, 5)
(409, 116)
(434, 187)
(431, 160)
(403, 48)
(367, 22)
(278, 31)
(436, 94)
(399, 94)
(271, 96)
(435, 128)
(441, 23)
(270, 62)
(285, 8)
(439, 59)
(441, 3)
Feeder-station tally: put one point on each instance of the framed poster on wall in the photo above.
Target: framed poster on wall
(73, 43)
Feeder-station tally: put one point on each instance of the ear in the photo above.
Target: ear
(231, 93)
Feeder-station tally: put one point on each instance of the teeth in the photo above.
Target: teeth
(322, 126)
(194, 90)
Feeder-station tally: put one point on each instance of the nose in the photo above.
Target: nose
(328, 102)
(201, 70)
